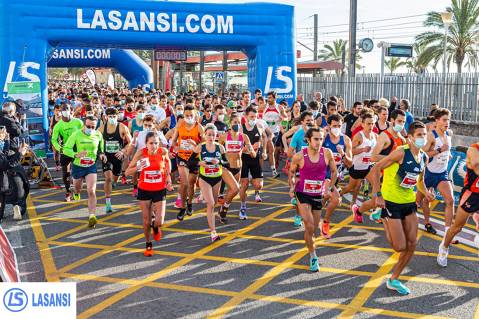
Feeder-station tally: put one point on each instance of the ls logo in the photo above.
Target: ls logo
(281, 77)
(23, 72)
(15, 300)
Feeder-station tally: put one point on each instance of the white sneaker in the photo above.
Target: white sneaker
(442, 256)
(476, 241)
(17, 213)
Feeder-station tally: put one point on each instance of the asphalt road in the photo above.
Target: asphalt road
(259, 268)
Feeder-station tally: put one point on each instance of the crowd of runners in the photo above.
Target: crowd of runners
(220, 145)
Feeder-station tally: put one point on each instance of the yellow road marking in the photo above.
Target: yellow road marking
(474, 251)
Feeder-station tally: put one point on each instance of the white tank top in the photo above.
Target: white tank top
(362, 161)
(439, 162)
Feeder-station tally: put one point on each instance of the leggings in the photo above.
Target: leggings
(64, 162)
(17, 196)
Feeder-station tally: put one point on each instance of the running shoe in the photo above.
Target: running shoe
(124, 181)
(156, 233)
(113, 185)
(325, 230)
(275, 174)
(376, 216)
(221, 199)
(294, 201)
(149, 250)
(178, 202)
(68, 197)
(257, 197)
(430, 229)
(181, 214)
(398, 286)
(358, 217)
(475, 217)
(108, 208)
(17, 212)
(214, 236)
(189, 209)
(135, 192)
(297, 221)
(313, 264)
(242, 213)
(76, 196)
(476, 241)
(92, 221)
(442, 255)
(223, 211)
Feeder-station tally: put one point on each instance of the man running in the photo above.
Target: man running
(397, 198)
(310, 187)
(117, 138)
(84, 146)
(61, 132)
(272, 115)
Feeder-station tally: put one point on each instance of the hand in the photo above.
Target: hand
(380, 202)
(430, 195)
(327, 193)
(444, 147)
(191, 142)
(214, 161)
(103, 158)
(256, 146)
(135, 135)
(265, 156)
(81, 154)
(169, 185)
(202, 163)
(23, 149)
(340, 150)
(120, 155)
(366, 149)
(291, 192)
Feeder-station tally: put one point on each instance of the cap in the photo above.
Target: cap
(171, 97)
(231, 104)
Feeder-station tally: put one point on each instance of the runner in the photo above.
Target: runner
(436, 176)
(251, 164)
(397, 198)
(117, 139)
(186, 136)
(310, 187)
(272, 115)
(153, 165)
(382, 124)
(61, 132)
(84, 146)
(54, 119)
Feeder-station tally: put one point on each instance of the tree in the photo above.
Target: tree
(394, 63)
(417, 64)
(334, 52)
(461, 40)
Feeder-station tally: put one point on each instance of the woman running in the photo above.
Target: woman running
(153, 164)
(211, 158)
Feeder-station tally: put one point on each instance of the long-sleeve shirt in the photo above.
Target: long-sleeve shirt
(79, 142)
(63, 130)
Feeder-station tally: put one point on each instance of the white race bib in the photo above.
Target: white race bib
(313, 187)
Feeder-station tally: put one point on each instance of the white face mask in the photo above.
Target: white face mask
(179, 112)
(252, 122)
(190, 120)
(221, 117)
(65, 113)
(336, 131)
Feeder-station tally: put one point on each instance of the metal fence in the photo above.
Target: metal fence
(459, 92)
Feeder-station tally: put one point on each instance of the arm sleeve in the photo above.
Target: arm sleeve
(68, 146)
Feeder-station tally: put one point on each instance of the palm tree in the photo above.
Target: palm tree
(462, 38)
(334, 52)
(417, 64)
(394, 63)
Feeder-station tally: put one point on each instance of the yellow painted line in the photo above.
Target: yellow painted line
(49, 267)
(370, 287)
(265, 279)
(123, 294)
(49, 193)
(474, 251)
(442, 217)
(476, 315)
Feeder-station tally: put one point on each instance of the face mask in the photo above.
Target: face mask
(179, 112)
(2, 145)
(252, 122)
(146, 129)
(398, 128)
(336, 131)
(88, 131)
(140, 116)
(420, 142)
(315, 113)
(153, 106)
(112, 121)
(130, 109)
(65, 113)
(121, 116)
(221, 117)
(190, 120)
(235, 127)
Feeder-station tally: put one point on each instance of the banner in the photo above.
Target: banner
(28, 95)
(8, 260)
(111, 81)
(91, 76)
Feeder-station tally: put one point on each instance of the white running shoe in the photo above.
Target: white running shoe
(17, 212)
(442, 255)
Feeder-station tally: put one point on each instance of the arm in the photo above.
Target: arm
(131, 170)
(381, 143)
(68, 146)
(348, 152)
(332, 165)
(472, 159)
(357, 140)
(429, 148)
(294, 166)
(55, 133)
(248, 148)
(395, 157)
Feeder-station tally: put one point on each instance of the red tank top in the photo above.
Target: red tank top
(153, 177)
(471, 182)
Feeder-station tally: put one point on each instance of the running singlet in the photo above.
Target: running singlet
(221, 127)
(153, 176)
(394, 143)
(135, 127)
(471, 182)
(399, 180)
(113, 142)
(233, 146)
(333, 147)
(82, 142)
(205, 121)
(211, 170)
(185, 149)
(272, 118)
(362, 161)
(253, 135)
(297, 141)
(438, 163)
(379, 129)
(312, 175)
(64, 130)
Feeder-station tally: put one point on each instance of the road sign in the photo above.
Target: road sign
(171, 55)
(219, 75)
(400, 50)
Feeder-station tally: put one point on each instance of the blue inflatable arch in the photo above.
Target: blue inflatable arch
(29, 29)
(126, 62)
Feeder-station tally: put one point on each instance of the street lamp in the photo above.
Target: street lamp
(446, 20)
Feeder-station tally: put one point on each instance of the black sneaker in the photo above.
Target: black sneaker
(189, 209)
(223, 211)
(430, 229)
(181, 214)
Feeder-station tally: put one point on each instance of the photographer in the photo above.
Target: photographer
(8, 120)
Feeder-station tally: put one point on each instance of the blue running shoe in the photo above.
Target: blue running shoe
(313, 264)
(242, 213)
(297, 221)
(398, 286)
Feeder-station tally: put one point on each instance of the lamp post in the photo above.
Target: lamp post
(446, 20)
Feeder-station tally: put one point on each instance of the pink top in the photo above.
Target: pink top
(233, 146)
(312, 175)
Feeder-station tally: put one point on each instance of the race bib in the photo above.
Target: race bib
(313, 187)
(86, 161)
(153, 177)
(185, 146)
(112, 146)
(233, 146)
(212, 170)
(409, 181)
(367, 159)
(337, 158)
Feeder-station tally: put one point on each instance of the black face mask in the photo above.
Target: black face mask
(235, 128)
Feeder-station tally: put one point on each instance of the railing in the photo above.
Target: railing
(459, 93)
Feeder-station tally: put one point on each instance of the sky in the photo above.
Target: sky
(402, 20)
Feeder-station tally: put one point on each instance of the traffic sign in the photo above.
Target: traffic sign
(219, 75)
(400, 50)
(171, 55)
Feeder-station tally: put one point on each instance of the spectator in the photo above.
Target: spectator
(404, 105)
(8, 120)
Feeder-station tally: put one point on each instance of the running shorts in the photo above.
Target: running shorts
(154, 196)
(113, 164)
(192, 168)
(433, 179)
(251, 166)
(359, 174)
(316, 202)
(398, 211)
(469, 201)
(80, 172)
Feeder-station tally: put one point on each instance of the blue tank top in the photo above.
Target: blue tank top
(330, 145)
(135, 127)
(172, 121)
(324, 123)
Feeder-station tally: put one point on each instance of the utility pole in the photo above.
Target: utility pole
(202, 68)
(315, 47)
(353, 17)
(225, 70)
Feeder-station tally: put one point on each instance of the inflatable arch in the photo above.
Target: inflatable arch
(126, 62)
(263, 31)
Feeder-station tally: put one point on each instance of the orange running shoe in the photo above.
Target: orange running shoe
(325, 230)
(149, 250)
(156, 233)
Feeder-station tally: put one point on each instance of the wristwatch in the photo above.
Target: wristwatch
(377, 194)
